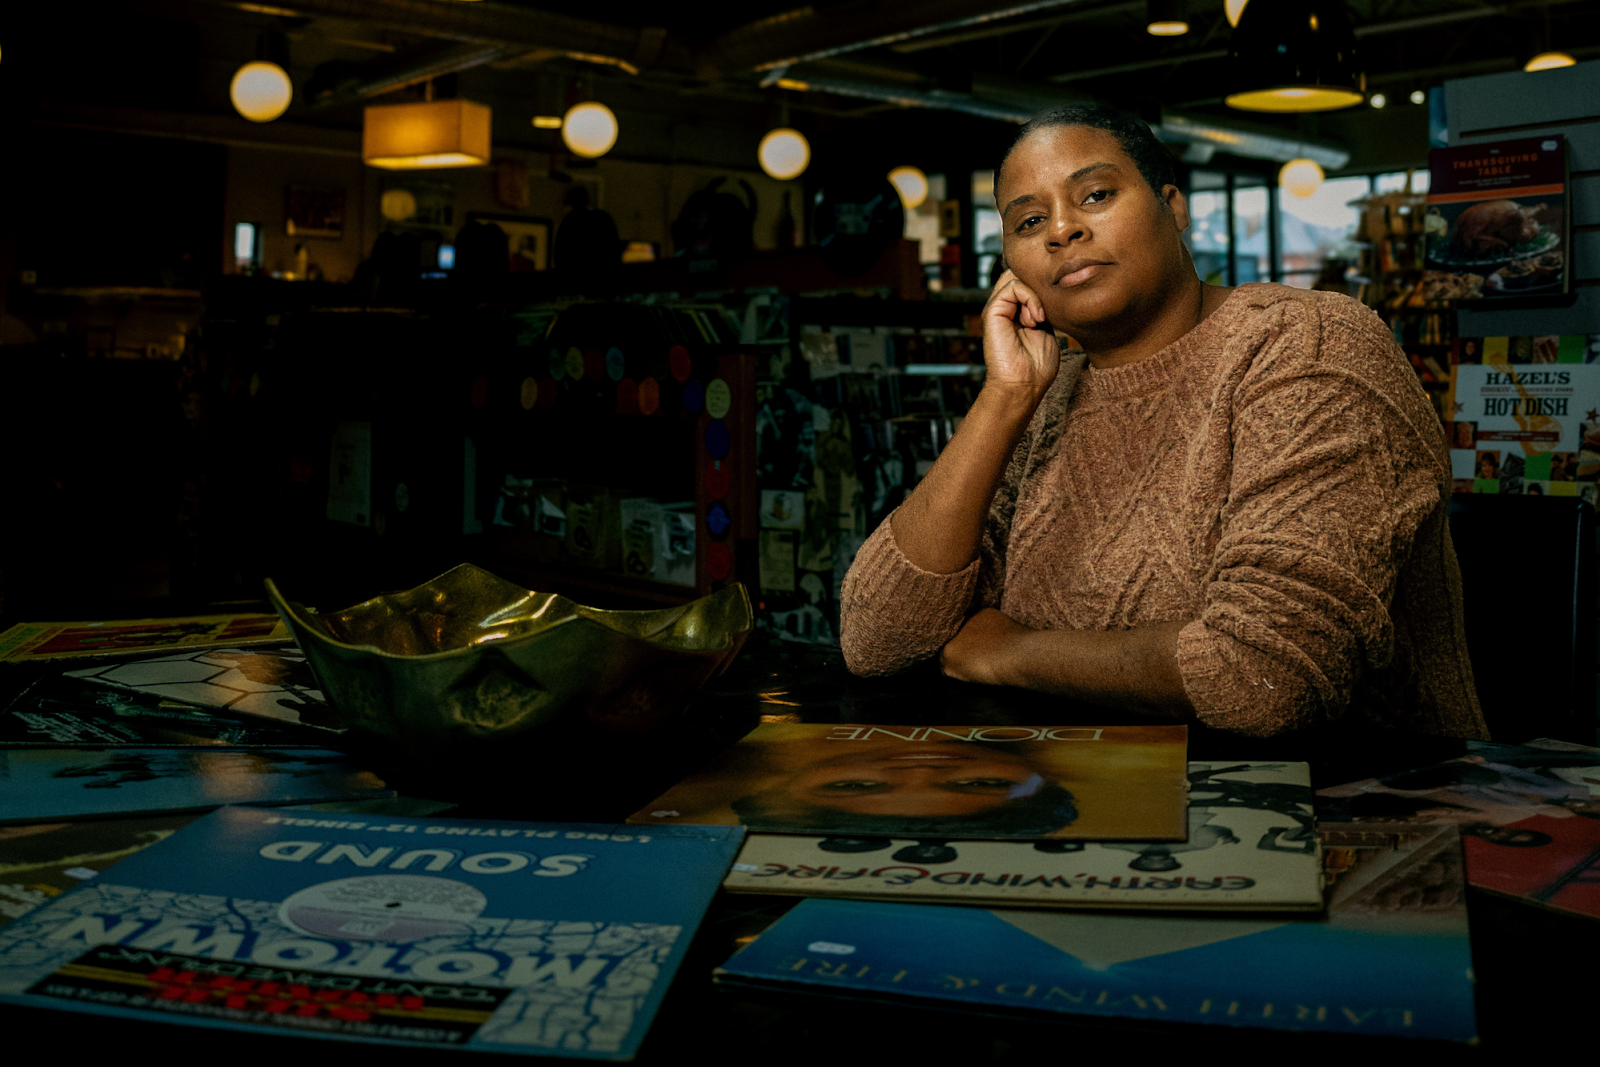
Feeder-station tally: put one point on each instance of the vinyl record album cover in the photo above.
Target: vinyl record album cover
(61, 784)
(61, 712)
(1123, 783)
(276, 684)
(1391, 957)
(557, 939)
(55, 640)
(43, 860)
(1252, 846)
(1529, 816)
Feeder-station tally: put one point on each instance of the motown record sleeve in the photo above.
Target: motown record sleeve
(1122, 783)
(1252, 846)
(555, 939)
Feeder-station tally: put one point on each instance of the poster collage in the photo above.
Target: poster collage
(1524, 415)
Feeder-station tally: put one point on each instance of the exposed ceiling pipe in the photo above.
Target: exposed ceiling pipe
(412, 67)
(1016, 101)
(807, 34)
(514, 28)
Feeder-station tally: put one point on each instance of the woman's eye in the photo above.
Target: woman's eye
(853, 783)
(1029, 222)
(986, 783)
(1099, 196)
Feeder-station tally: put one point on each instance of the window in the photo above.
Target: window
(1319, 228)
(985, 225)
(1252, 230)
(1208, 226)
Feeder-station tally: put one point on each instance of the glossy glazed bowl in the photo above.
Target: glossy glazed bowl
(470, 658)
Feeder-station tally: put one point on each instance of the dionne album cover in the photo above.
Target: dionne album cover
(1098, 783)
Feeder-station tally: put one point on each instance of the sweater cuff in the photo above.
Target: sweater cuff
(1207, 678)
(883, 579)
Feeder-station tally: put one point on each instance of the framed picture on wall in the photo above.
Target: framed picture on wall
(314, 212)
(528, 239)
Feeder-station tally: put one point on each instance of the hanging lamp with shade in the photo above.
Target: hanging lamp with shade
(912, 185)
(1294, 56)
(1548, 61)
(426, 135)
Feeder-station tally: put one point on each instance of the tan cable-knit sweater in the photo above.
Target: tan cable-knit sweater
(1276, 475)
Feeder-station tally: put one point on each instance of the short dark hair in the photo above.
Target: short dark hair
(1044, 812)
(1134, 137)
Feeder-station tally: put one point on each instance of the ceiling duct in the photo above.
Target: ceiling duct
(807, 34)
(343, 83)
(632, 48)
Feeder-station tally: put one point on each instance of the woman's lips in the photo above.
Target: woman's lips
(1078, 271)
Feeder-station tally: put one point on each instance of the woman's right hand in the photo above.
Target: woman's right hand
(1019, 346)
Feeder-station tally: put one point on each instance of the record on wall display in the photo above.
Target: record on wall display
(856, 218)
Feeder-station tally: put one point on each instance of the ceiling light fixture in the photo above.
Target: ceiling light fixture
(1300, 177)
(912, 185)
(784, 154)
(547, 122)
(1418, 96)
(261, 91)
(1378, 100)
(589, 129)
(424, 135)
(1295, 55)
(1165, 18)
(1233, 9)
(1548, 61)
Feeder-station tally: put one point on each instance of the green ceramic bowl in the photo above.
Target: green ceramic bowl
(470, 658)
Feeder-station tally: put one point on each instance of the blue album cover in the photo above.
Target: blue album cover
(1391, 957)
(558, 939)
(60, 784)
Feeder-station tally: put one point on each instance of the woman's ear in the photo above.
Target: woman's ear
(1179, 205)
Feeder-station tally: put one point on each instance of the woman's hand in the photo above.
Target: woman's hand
(980, 652)
(1019, 347)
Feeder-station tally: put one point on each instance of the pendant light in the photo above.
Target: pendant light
(1548, 61)
(912, 185)
(261, 90)
(1295, 55)
(589, 129)
(1233, 9)
(426, 135)
(1300, 177)
(1165, 18)
(784, 153)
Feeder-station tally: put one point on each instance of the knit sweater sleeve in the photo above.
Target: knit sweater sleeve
(1337, 461)
(893, 613)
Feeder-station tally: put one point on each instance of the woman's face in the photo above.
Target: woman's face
(939, 779)
(1084, 231)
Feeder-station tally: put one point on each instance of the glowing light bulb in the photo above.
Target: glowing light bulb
(784, 153)
(589, 129)
(261, 91)
(1300, 177)
(1233, 9)
(1378, 100)
(911, 184)
(1418, 96)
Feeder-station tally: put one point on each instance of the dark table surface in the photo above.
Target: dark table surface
(1534, 967)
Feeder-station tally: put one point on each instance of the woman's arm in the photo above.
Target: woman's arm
(1131, 670)
(940, 526)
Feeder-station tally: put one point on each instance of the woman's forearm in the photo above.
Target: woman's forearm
(940, 527)
(1132, 670)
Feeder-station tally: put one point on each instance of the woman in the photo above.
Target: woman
(1229, 505)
